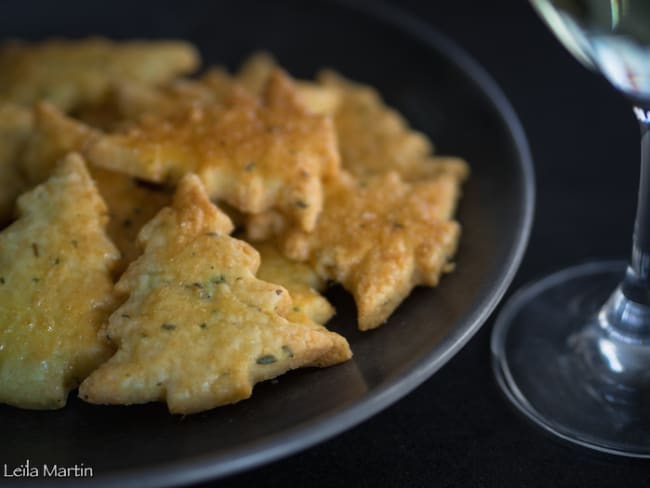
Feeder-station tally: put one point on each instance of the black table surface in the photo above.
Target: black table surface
(457, 429)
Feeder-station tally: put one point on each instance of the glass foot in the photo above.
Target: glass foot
(559, 363)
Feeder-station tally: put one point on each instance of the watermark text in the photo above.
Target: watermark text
(29, 470)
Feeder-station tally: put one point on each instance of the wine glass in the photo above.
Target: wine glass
(572, 351)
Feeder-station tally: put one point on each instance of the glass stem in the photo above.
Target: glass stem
(627, 312)
(640, 264)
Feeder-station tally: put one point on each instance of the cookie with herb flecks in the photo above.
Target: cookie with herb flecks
(70, 73)
(256, 70)
(302, 282)
(198, 329)
(380, 238)
(255, 153)
(374, 138)
(53, 135)
(130, 203)
(128, 101)
(15, 126)
(56, 290)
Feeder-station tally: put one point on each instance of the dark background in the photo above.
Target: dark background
(457, 429)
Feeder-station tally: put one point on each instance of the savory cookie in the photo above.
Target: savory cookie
(71, 73)
(374, 139)
(53, 136)
(128, 101)
(198, 329)
(130, 204)
(255, 154)
(15, 128)
(257, 69)
(381, 237)
(302, 282)
(55, 290)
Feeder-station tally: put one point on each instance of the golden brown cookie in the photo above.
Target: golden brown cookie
(254, 154)
(198, 329)
(56, 289)
(130, 204)
(380, 238)
(374, 138)
(15, 126)
(70, 73)
(129, 101)
(256, 70)
(52, 137)
(302, 282)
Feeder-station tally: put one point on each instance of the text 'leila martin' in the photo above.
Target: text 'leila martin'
(28, 470)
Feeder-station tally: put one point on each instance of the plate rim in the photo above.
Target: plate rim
(204, 467)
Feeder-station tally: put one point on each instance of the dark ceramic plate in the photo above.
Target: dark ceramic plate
(443, 93)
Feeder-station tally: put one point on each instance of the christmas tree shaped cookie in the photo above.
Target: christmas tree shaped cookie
(15, 126)
(380, 238)
(130, 204)
(256, 70)
(375, 139)
(301, 280)
(254, 153)
(55, 290)
(198, 329)
(69, 73)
